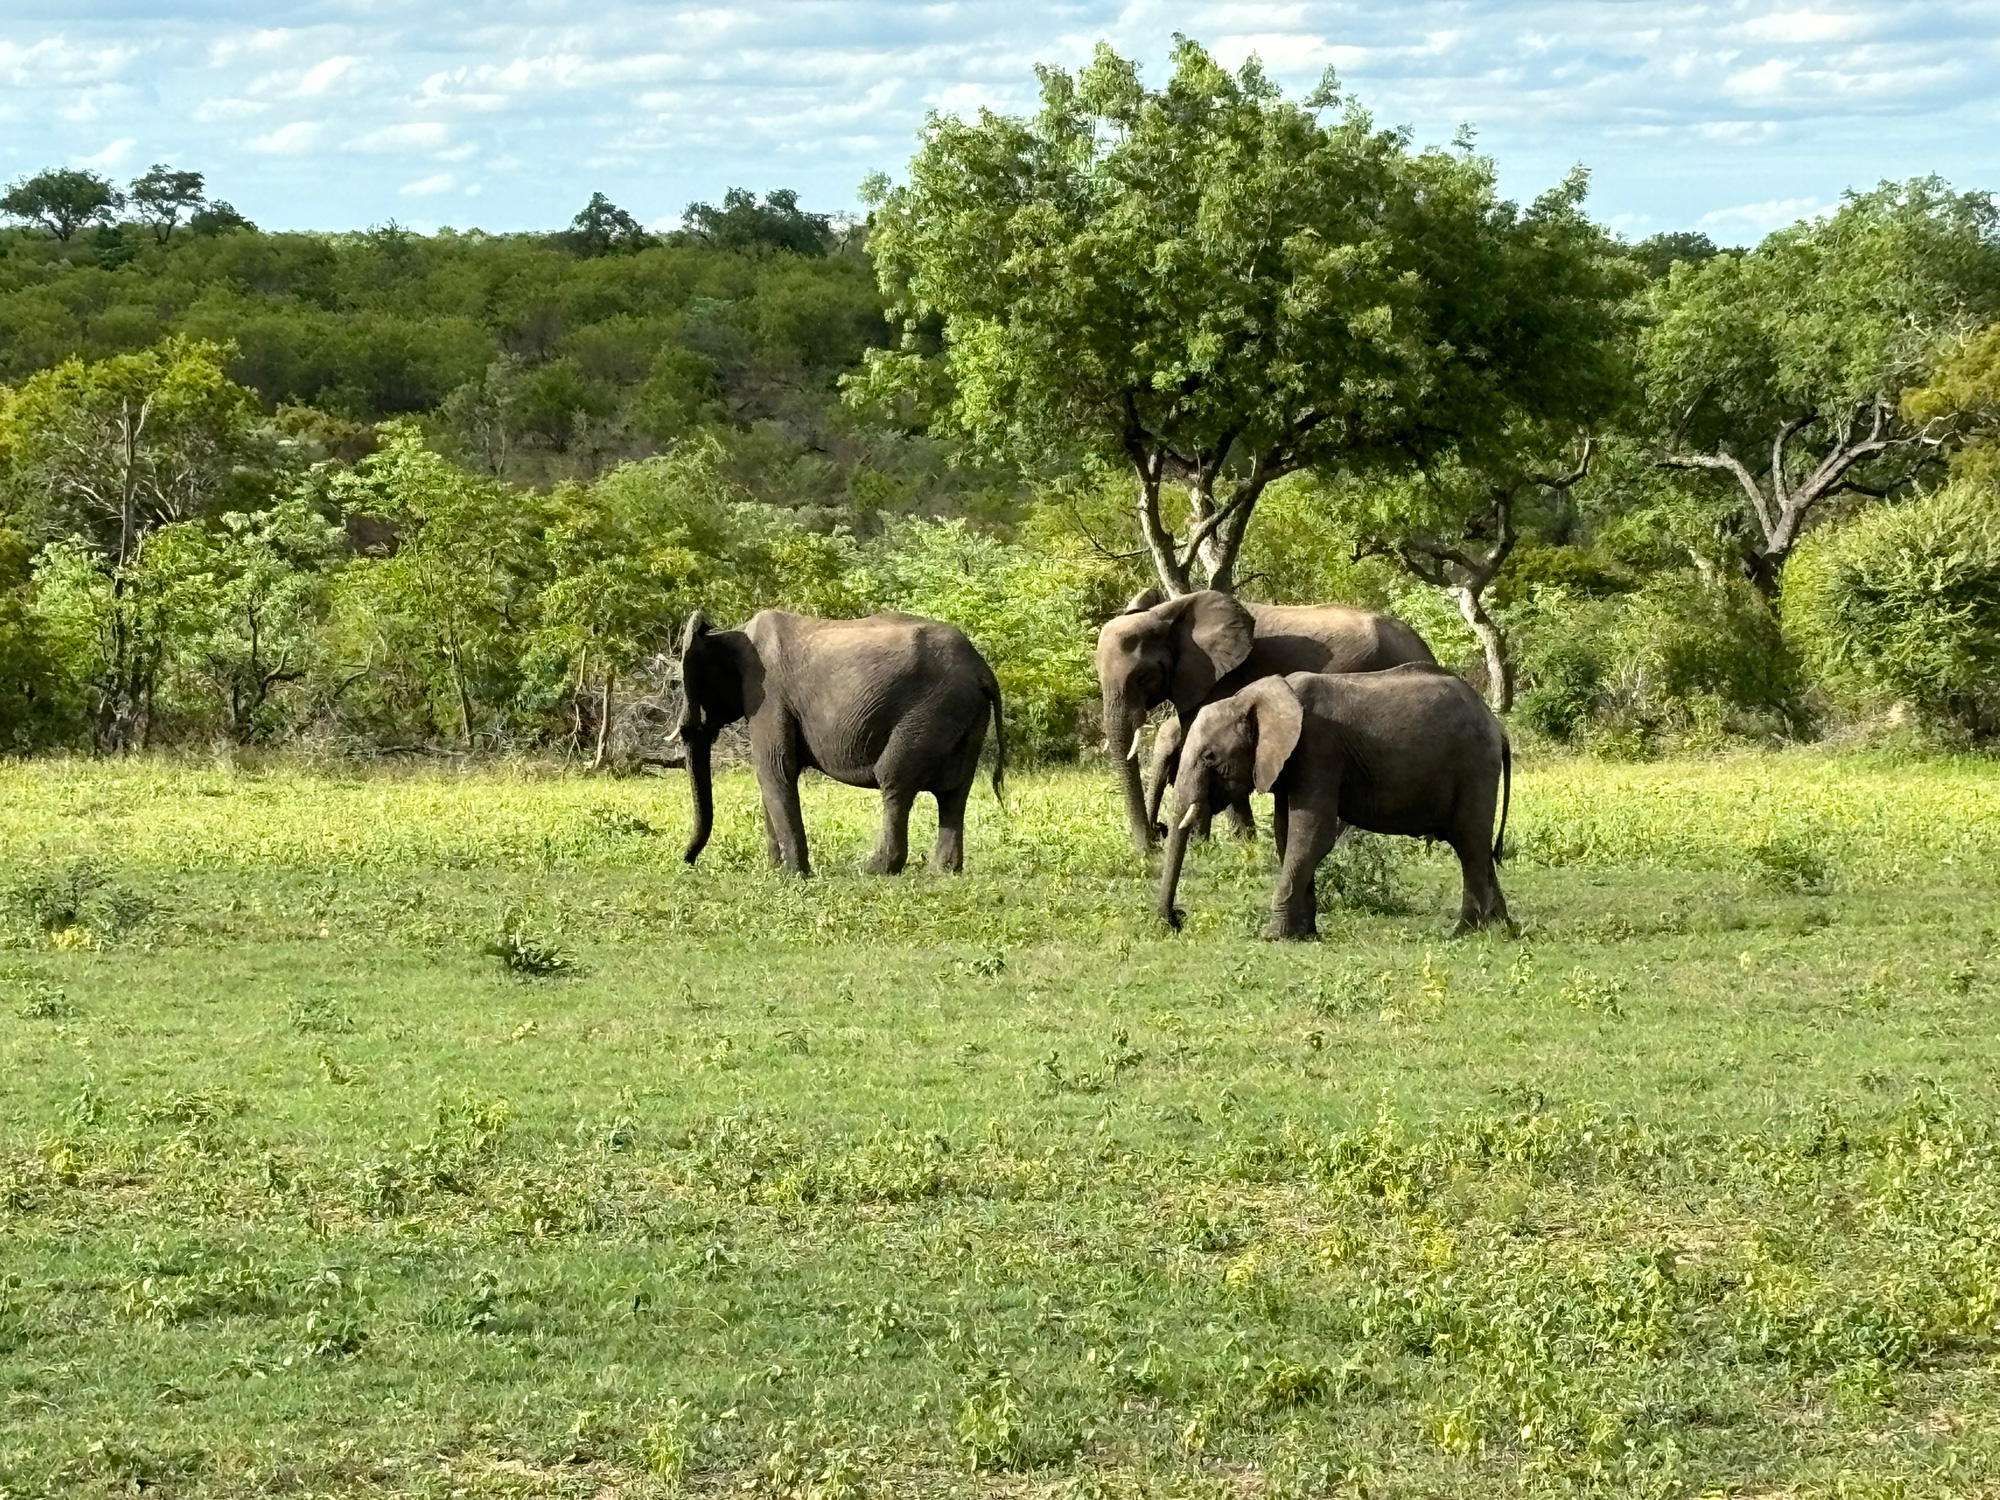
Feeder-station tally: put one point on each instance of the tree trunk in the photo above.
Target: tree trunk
(1493, 641)
(464, 697)
(1160, 546)
(603, 725)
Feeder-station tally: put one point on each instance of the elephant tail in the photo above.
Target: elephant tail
(999, 736)
(1506, 796)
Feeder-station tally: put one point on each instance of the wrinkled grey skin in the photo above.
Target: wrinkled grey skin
(1412, 750)
(1185, 651)
(891, 701)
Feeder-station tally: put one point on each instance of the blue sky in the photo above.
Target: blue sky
(333, 114)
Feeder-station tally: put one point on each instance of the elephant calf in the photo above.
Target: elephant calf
(890, 701)
(1412, 750)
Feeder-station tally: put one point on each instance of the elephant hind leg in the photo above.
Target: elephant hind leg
(1482, 904)
(894, 851)
(949, 855)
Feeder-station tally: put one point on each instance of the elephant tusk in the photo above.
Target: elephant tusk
(1133, 752)
(1189, 817)
(1105, 748)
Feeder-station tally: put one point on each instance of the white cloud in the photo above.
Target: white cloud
(290, 140)
(1796, 26)
(322, 76)
(1763, 217)
(56, 61)
(427, 187)
(415, 135)
(114, 155)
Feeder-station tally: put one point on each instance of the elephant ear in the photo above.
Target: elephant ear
(1144, 600)
(1279, 716)
(1213, 633)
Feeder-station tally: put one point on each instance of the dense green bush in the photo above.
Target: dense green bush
(1903, 604)
(1680, 662)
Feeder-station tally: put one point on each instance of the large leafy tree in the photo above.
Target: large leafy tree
(62, 200)
(455, 599)
(1781, 370)
(1213, 286)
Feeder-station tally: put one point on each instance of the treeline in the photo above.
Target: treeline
(399, 491)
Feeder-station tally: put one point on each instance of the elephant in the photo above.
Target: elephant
(891, 701)
(1184, 651)
(1411, 750)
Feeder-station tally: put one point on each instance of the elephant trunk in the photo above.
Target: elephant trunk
(1121, 736)
(1170, 874)
(701, 782)
(1189, 812)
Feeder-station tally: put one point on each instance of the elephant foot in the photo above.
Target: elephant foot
(883, 864)
(1290, 930)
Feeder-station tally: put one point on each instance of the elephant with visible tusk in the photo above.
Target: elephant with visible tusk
(1184, 651)
(1413, 750)
(891, 701)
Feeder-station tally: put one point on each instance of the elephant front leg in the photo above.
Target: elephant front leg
(784, 822)
(894, 851)
(1295, 903)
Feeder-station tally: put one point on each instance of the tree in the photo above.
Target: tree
(62, 200)
(1455, 527)
(1660, 253)
(163, 195)
(105, 455)
(217, 217)
(1781, 370)
(603, 228)
(1209, 285)
(115, 448)
(457, 596)
(629, 558)
(742, 223)
(257, 583)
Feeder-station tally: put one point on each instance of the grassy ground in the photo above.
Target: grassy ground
(854, 1186)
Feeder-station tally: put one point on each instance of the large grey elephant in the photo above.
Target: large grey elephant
(890, 701)
(1412, 750)
(1184, 651)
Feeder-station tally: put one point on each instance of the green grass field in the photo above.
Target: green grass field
(852, 1186)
